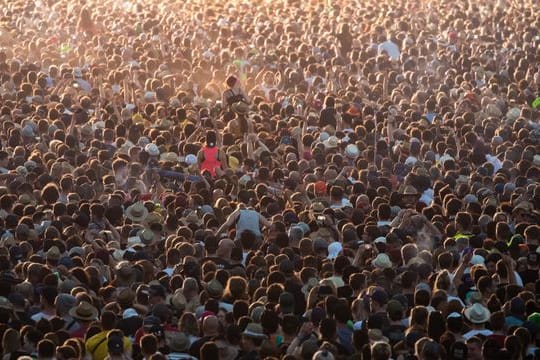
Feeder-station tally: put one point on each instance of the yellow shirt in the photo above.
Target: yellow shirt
(97, 346)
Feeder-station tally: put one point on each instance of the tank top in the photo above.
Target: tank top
(211, 161)
(248, 220)
(234, 98)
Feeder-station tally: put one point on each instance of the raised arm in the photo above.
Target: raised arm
(458, 275)
(228, 223)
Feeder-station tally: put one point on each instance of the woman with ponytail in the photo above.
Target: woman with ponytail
(210, 157)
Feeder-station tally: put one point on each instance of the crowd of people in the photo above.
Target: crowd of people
(341, 179)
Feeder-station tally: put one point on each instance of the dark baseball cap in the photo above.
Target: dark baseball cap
(458, 351)
(380, 296)
(156, 290)
(115, 344)
(150, 321)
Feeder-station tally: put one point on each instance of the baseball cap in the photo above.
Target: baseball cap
(458, 351)
(286, 303)
(129, 313)
(156, 290)
(115, 344)
(380, 239)
(150, 321)
(380, 296)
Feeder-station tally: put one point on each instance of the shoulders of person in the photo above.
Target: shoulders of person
(216, 260)
(127, 343)
(130, 322)
(397, 327)
(225, 306)
(201, 341)
(252, 355)
(345, 202)
(342, 349)
(322, 199)
(469, 334)
(328, 111)
(197, 344)
(180, 356)
(40, 315)
(94, 340)
(519, 281)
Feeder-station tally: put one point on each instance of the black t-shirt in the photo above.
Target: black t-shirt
(130, 325)
(396, 333)
(17, 354)
(529, 276)
(345, 39)
(410, 300)
(328, 117)
(195, 348)
(234, 98)
(382, 318)
(252, 355)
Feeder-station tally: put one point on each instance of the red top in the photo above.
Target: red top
(211, 162)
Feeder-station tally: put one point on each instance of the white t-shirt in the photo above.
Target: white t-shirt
(390, 48)
(470, 334)
(41, 315)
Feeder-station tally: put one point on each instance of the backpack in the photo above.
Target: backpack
(234, 98)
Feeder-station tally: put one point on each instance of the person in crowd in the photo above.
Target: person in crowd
(269, 180)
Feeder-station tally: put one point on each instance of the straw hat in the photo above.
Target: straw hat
(331, 142)
(477, 313)
(84, 311)
(53, 254)
(137, 212)
(214, 289)
(170, 157)
(409, 190)
(177, 300)
(193, 218)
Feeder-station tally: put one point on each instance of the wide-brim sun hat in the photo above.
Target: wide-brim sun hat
(137, 212)
(84, 311)
(477, 314)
